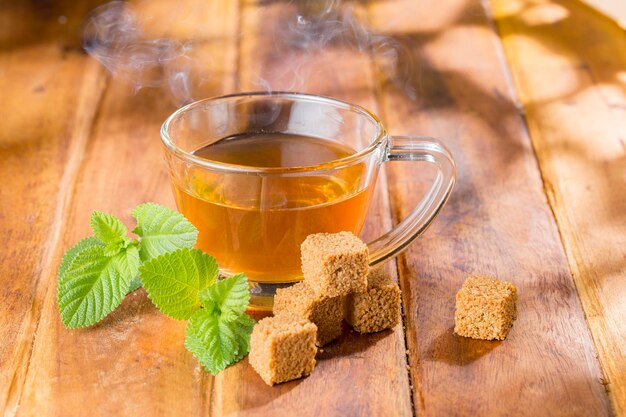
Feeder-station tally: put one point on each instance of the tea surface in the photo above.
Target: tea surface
(255, 224)
(274, 150)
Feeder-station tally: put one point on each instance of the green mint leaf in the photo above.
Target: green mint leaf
(92, 286)
(127, 262)
(217, 343)
(243, 329)
(114, 248)
(131, 248)
(210, 341)
(72, 252)
(136, 281)
(173, 280)
(229, 297)
(107, 227)
(162, 230)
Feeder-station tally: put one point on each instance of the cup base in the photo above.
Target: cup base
(262, 294)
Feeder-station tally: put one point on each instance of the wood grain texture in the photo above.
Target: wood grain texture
(134, 362)
(438, 71)
(496, 223)
(50, 93)
(357, 375)
(572, 84)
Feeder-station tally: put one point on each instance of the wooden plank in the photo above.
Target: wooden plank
(571, 83)
(50, 93)
(134, 363)
(356, 375)
(496, 223)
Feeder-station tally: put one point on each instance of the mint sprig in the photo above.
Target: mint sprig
(161, 230)
(97, 272)
(219, 334)
(182, 285)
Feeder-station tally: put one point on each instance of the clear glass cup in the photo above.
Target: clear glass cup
(253, 219)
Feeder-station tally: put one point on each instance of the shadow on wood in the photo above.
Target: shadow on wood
(44, 22)
(350, 343)
(134, 306)
(457, 350)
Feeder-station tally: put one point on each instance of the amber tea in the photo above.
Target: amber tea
(255, 223)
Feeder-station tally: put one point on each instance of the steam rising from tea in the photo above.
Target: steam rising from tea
(176, 53)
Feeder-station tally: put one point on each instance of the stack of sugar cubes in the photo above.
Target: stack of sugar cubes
(338, 285)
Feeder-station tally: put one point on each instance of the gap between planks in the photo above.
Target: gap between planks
(378, 83)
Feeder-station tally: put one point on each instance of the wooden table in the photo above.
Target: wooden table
(530, 96)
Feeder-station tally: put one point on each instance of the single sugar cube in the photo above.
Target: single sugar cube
(325, 312)
(377, 308)
(282, 348)
(485, 308)
(335, 263)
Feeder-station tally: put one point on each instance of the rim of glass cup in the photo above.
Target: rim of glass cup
(223, 166)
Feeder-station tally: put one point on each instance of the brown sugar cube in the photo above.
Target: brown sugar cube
(335, 263)
(377, 308)
(282, 348)
(325, 312)
(485, 308)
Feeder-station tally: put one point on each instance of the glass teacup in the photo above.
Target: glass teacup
(256, 173)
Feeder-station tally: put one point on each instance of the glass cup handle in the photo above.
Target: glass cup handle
(420, 149)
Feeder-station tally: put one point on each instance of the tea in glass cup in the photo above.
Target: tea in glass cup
(257, 173)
